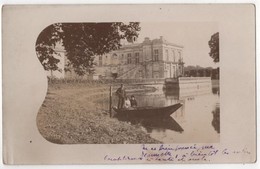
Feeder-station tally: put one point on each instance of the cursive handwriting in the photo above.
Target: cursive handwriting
(178, 153)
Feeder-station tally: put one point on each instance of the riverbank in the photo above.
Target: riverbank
(70, 115)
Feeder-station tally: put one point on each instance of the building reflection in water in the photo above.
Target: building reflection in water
(216, 118)
(150, 124)
(215, 90)
(173, 97)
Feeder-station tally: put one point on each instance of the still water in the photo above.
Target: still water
(197, 121)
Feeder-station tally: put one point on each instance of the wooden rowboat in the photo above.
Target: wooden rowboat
(148, 111)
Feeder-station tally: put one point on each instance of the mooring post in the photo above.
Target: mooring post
(110, 102)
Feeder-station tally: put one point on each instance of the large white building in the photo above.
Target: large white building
(150, 59)
(155, 58)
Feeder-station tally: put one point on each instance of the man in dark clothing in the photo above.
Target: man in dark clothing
(121, 96)
(133, 101)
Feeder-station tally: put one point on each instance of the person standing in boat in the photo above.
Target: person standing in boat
(121, 96)
(133, 101)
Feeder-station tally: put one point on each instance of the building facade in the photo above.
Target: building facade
(150, 59)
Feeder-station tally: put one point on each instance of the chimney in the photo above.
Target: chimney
(161, 38)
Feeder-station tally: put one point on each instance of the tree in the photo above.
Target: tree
(82, 41)
(45, 45)
(214, 47)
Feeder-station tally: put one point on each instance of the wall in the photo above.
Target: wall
(190, 84)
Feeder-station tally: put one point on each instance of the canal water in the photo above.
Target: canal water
(197, 121)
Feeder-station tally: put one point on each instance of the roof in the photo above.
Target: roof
(147, 41)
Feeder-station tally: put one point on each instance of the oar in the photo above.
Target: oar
(110, 101)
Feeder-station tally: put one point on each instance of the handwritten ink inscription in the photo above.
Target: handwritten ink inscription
(177, 153)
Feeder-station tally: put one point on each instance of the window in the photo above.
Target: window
(173, 55)
(129, 58)
(122, 59)
(114, 56)
(136, 58)
(100, 60)
(156, 55)
(179, 56)
(167, 55)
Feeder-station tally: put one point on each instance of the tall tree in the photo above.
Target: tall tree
(82, 41)
(45, 45)
(214, 47)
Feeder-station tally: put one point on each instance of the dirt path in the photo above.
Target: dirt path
(70, 116)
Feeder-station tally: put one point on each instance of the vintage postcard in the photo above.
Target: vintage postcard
(127, 84)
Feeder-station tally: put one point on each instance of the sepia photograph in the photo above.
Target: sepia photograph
(130, 82)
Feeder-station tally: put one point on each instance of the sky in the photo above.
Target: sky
(194, 36)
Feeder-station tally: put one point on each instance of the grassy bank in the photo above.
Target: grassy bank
(69, 115)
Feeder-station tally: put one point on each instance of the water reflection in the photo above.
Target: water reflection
(151, 124)
(198, 120)
(215, 90)
(216, 118)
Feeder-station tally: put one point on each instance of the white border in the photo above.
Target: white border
(166, 166)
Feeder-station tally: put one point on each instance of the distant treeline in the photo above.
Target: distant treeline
(197, 71)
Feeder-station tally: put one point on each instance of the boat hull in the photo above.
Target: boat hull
(148, 111)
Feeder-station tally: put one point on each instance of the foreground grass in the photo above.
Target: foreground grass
(69, 115)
